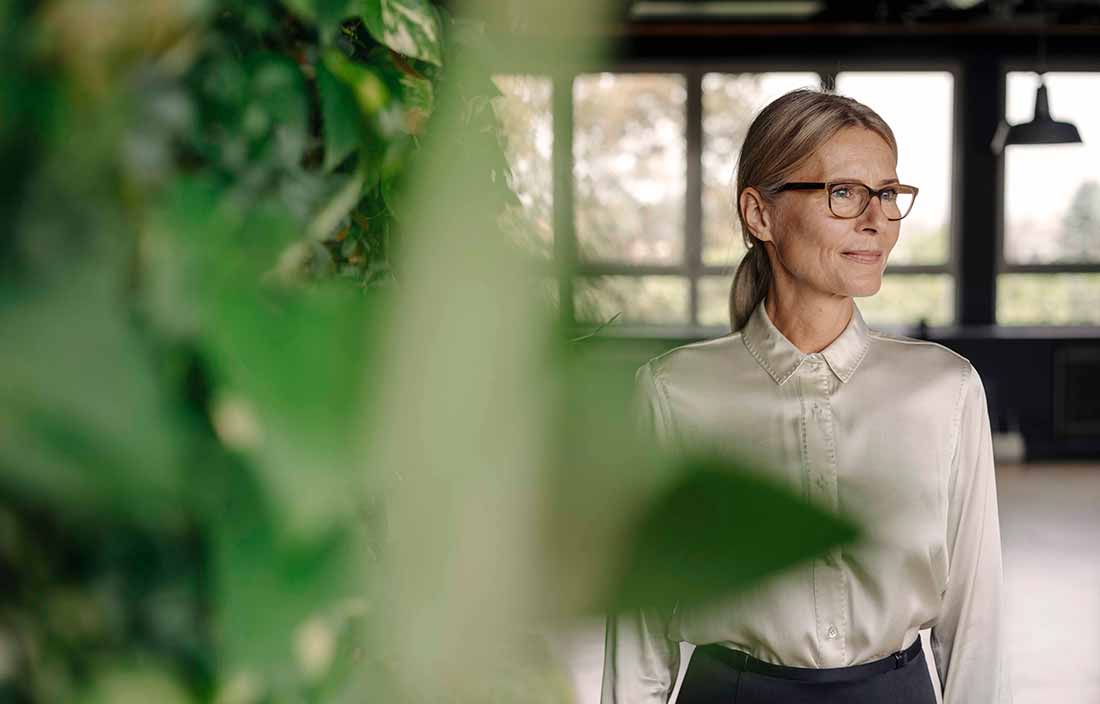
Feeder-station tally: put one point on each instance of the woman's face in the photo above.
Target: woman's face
(809, 245)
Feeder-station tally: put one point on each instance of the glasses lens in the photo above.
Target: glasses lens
(896, 204)
(847, 199)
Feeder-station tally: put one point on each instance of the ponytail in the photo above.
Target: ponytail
(750, 284)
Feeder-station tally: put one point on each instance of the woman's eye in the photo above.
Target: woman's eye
(841, 192)
(890, 194)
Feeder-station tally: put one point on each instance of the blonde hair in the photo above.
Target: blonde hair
(781, 137)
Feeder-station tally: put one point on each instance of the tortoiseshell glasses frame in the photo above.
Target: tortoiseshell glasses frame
(902, 202)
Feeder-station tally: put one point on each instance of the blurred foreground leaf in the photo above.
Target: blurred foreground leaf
(293, 365)
(75, 380)
(271, 582)
(630, 524)
(717, 530)
(513, 477)
(136, 684)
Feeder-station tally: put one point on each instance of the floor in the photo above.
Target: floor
(1050, 532)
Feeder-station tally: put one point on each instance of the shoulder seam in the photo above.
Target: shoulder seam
(659, 382)
(692, 345)
(913, 341)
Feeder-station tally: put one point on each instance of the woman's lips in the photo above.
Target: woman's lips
(864, 257)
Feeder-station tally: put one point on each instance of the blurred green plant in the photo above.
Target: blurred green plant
(253, 446)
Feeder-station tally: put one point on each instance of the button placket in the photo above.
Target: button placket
(819, 464)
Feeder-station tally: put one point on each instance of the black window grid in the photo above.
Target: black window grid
(692, 267)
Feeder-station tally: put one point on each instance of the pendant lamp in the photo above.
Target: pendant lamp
(1042, 129)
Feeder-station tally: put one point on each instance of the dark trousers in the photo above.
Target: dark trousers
(718, 675)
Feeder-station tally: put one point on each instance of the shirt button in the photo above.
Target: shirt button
(832, 632)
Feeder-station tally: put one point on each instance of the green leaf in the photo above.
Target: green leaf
(409, 27)
(717, 530)
(303, 8)
(388, 189)
(418, 93)
(368, 88)
(336, 206)
(293, 361)
(460, 430)
(340, 117)
(83, 423)
(290, 364)
(278, 83)
(327, 14)
(222, 243)
(370, 11)
(269, 583)
(118, 683)
(277, 88)
(383, 63)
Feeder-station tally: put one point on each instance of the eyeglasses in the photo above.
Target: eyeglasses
(848, 199)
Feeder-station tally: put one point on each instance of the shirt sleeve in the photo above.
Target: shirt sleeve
(968, 639)
(641, 662)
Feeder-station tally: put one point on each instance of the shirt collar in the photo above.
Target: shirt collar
(780, 358)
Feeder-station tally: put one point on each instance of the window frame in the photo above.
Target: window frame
(692, 268)
(1060, 65)
(1079, 63)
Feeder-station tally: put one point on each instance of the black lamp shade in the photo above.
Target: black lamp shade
(1041, 130)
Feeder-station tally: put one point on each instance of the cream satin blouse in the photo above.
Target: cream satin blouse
(890, 430)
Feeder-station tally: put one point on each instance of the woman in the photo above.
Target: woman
(890, 430)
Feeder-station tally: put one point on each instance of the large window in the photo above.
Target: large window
(629, 178)
(526, 118)
(628, 167)
(1050, 269)
(653, 223)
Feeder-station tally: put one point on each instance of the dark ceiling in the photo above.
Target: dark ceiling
(1052, 12)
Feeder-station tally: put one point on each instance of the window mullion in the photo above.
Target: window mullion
(565, 235)
(982, 90)
(693, 206)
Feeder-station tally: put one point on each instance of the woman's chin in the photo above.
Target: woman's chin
(864, 289)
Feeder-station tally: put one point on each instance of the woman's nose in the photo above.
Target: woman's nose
(875, 214)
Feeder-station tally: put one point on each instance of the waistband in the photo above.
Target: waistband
(747, 663)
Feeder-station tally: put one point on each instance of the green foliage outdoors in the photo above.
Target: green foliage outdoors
(1061, 298)
(1077, 238)
(281, 417)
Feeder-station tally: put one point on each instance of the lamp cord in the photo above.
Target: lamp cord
(1042, 40)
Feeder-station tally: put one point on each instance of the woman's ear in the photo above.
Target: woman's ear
(755, 212)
